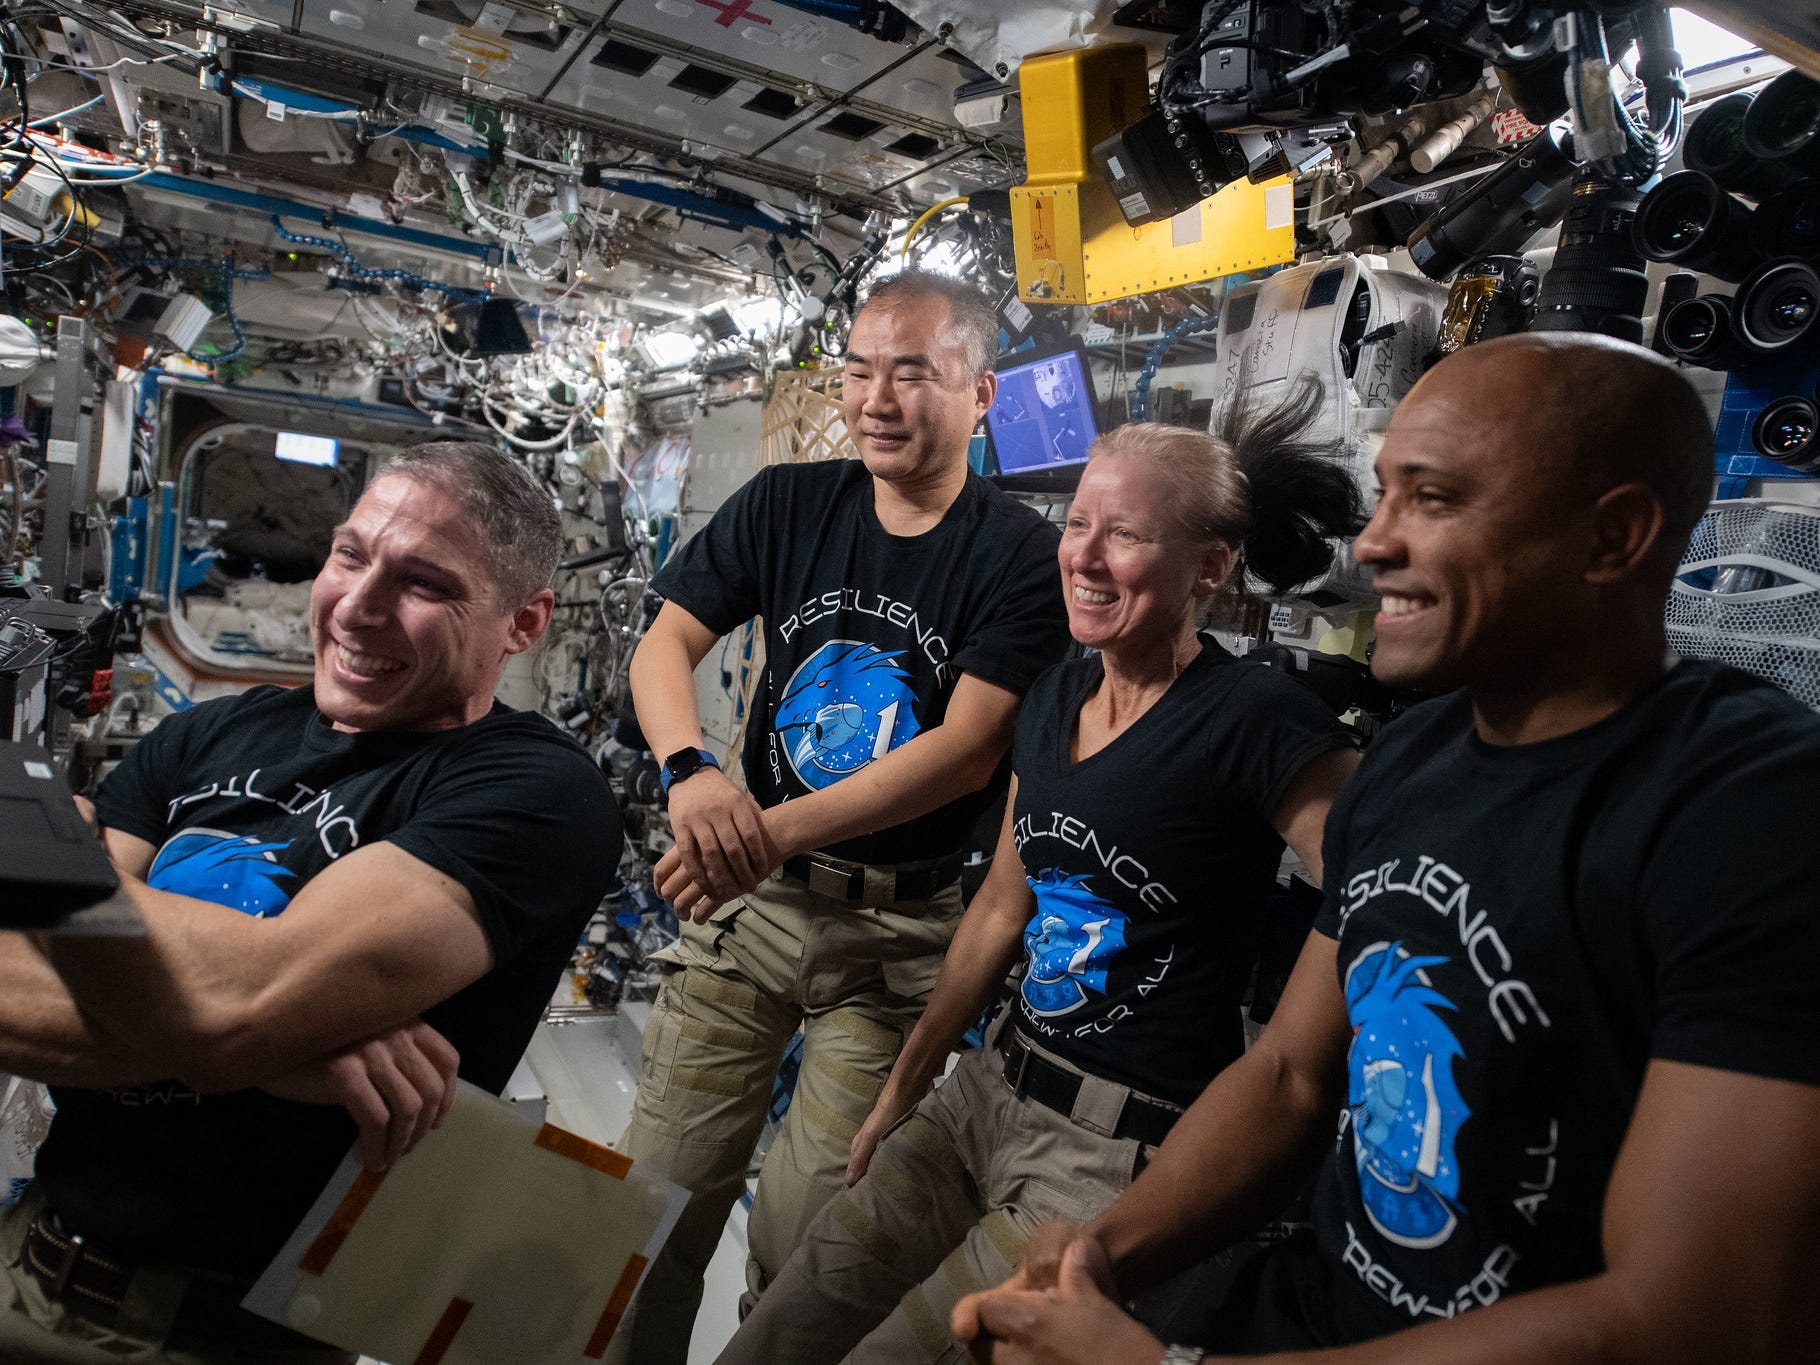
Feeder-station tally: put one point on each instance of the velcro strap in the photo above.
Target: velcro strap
(898, 1185)
(929, 1328)
(707, 1082)
(718, 990)
(848, 1078)
(826, 1119)
(1005, 1238)
(860, 1226)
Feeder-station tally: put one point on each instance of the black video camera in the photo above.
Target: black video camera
(1263, 87)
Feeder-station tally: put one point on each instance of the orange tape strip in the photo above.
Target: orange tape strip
(320, 1252)
(603, 1159)
(442, 1336)
(616, 1309)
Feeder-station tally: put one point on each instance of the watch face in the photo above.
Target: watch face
(684, 763)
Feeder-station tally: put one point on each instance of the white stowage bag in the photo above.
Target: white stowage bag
(273, 616)
(25, 1118)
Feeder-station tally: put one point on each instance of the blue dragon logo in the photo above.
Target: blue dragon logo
(234, 870)
(1406, 1109)
(1071, 941)
(847, 704)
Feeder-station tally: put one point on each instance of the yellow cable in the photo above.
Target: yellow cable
(917, 225)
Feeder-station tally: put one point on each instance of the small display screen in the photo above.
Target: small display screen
(301, 449)
(1043, 415)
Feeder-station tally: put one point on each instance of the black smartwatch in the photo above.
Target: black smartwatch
(685, 763)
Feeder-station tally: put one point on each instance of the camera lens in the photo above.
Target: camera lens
(1688, 220)
(1714, 145)
(1788, 224)
(1783, 122)
(1777, 307)
(1500, 213)
(1699, 331)
(1596, 283)
(1784, 431)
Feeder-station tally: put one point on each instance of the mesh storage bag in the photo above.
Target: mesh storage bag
(1748, 593)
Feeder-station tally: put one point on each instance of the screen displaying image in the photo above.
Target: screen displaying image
(1043, 415)
(301, 449)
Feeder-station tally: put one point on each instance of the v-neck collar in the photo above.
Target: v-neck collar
(1210, 653)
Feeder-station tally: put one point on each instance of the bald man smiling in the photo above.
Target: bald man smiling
(1554, 1043)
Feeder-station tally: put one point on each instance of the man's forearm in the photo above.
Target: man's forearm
(930, 770)
(175, 991)
(204, 991)
(44, 1036)
(1268, 1128)
(663, 694)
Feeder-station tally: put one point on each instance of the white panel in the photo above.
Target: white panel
(795, 46)
(396, 31)
(724, 451)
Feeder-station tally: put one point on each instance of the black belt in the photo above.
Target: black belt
(1034, 1076)
(72, 1271)
(93, 1285)
(844, 881)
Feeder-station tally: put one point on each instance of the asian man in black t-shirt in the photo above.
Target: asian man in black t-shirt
(1554, 1043)
(907, 606)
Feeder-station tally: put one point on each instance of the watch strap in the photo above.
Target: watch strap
(670, 774)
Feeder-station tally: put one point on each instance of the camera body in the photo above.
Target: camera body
(1264, 87)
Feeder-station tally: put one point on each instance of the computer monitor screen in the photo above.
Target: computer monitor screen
(295, 446)
(1043, 415)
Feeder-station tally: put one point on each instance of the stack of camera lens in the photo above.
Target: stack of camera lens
(1596, 281)
(1766, 150)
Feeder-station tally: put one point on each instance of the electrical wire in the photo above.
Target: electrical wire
(518, 442)
(359, 271)
(1362, 205)
(65, 113)
(927, 214)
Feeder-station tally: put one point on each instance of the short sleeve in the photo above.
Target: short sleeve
(528, 825)
(1024, 628)
(715, 574)
(135, 798)
(1035, 739)
(1727, 908)
(1328, 919)
(1275, 726)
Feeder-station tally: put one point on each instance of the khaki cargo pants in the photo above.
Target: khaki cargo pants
(855, 978)
(952, 1195)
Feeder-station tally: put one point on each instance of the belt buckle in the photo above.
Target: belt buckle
(835, 879)
(1019, 1068)
(67, 1260)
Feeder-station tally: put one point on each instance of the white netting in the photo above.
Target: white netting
(1748, 593)
(254, 615)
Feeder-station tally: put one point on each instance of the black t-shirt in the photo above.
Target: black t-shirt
(866, 633)
(1152, 861)
(1521, 930)
(246, 799)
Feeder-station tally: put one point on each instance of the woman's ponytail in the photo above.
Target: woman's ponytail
(1300, 485)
